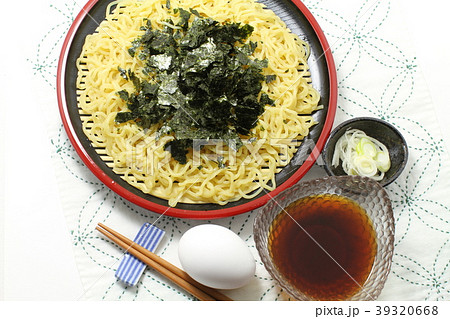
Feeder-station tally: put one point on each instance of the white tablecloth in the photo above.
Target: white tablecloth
(52, 202)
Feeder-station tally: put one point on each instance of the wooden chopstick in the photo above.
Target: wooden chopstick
(201, 295)
(161, 265)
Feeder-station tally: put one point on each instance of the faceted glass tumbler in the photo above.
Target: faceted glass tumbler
(368, 193)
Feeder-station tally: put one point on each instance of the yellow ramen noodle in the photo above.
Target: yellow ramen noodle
(138, 155)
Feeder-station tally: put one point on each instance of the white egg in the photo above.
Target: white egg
(216, 257)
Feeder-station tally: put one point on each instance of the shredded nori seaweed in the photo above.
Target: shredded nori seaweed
(201, 81)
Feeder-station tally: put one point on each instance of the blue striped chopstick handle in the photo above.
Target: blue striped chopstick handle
(131, 268)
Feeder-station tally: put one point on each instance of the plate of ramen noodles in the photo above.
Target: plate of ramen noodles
(197, 109)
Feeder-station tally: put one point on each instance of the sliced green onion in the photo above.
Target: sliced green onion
(364, 165)
(362, 155)
(383, 161)
(366, 147)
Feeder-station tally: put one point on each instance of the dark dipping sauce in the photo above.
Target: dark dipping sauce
(327, 253)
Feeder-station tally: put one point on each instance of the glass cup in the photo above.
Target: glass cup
(366, 192)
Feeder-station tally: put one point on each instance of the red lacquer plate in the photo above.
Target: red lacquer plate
(323, 76)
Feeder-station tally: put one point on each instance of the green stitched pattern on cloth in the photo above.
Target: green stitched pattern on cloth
(378, 76)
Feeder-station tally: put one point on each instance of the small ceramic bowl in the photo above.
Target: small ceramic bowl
(378, 129)
(367, 193)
